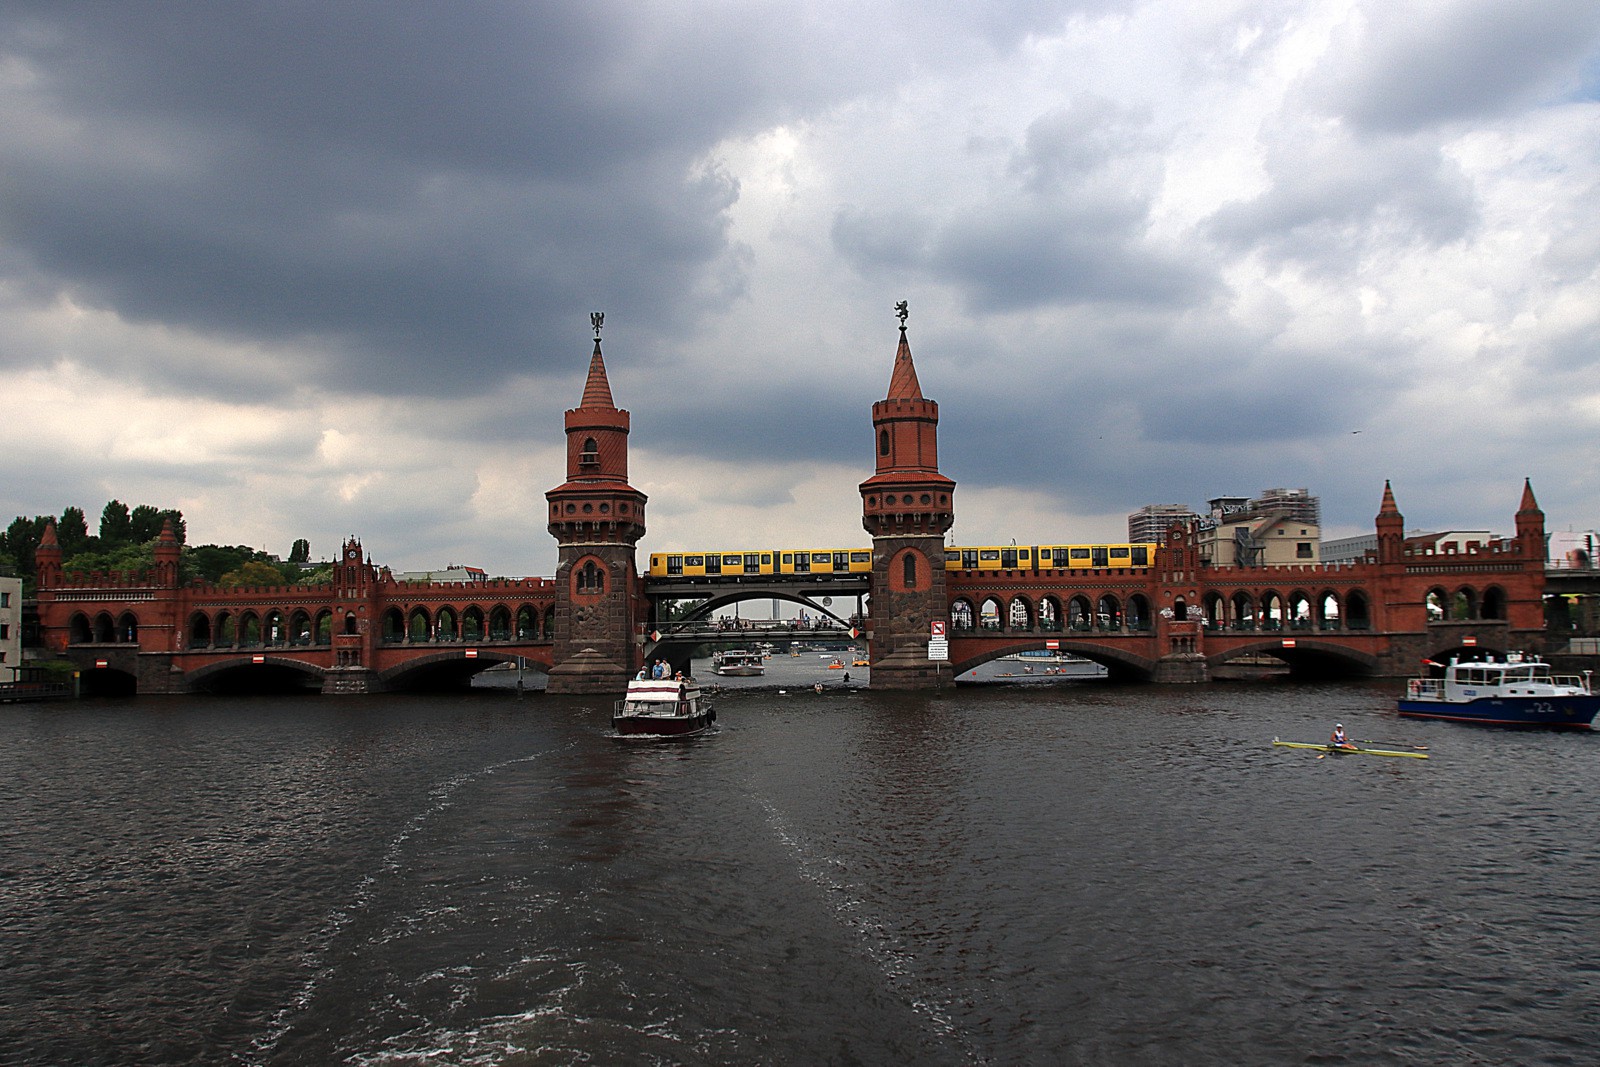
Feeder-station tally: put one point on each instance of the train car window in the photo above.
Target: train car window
(1141, 556)
(752, 562)
(766, 557)
(861, 557)
(1119, 552)
(694, 561)
(1061, 557)
(969, 559)
(1080, 553)
(822, 557)
(713, 564)
(1099, 556)
(674, 566)
(733, 560)
(802, 562)
(1008, 557)
(952, 555)
(788, 558)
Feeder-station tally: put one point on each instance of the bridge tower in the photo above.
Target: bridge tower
(596, 518)
(907, 506)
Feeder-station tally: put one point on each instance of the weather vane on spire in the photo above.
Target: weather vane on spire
(597, 319)
(902, 312)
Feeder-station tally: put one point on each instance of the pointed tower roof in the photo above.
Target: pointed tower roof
(597, 390)
(903, 383)
(167, 536)
(1528, 502)
(49, 535)
(1388, 506)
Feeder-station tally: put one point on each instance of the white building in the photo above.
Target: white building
(10, 627)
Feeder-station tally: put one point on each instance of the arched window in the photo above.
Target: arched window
(910, 565)
(883, 442)
(590, 456)
(961, 615)
(591, 579)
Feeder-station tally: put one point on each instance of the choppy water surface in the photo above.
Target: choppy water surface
(1039, 874)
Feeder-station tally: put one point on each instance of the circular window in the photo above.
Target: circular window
(926, 499)
(604, 508)
(571, 508)
(622, 508)
(588, 508)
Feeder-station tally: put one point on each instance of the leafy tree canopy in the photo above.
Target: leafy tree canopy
(253, 573)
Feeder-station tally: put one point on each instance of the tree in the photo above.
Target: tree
(301, 552)
(253, 573)
(72, 531)
(116, 525)
(210, 562)
(144, 524)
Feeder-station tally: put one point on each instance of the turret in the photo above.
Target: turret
(1530, 526)
(1391, 527)
(907, 495)
(907, 506)
(47, 558)
(596, 518)
(167, 551)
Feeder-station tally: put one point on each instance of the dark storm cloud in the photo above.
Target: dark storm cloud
(402, 188)
(1462, 61)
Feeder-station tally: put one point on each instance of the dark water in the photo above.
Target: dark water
(1074, 874)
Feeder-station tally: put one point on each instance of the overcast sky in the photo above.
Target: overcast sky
(310, 269)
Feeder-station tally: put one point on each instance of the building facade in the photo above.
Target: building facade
(10, 627)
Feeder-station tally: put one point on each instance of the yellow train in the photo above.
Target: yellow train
(817, 562)
(823, 562)
(1049, 557)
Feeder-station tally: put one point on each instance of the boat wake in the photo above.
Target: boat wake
(318, 946)
(876, 937)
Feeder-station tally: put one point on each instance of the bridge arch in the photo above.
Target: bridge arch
(1310, 657)
(242, 674)
(706, 609)
(1121, 665)
(446, 669)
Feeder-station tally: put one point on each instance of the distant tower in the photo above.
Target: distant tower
(1530, 526)
(1391, 529)
(167, 551)
(907, 507)
(47, 558)
(596, 518)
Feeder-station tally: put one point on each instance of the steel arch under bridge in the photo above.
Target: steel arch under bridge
(721, 593)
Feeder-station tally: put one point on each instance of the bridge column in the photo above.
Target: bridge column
(907, 507)
(596, 518)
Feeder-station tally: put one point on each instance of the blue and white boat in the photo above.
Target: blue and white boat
(1518, 691)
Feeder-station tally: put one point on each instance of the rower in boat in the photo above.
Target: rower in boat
(1339, 740)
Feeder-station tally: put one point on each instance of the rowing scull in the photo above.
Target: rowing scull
(1349, 748)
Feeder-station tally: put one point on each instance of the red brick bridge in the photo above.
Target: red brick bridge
(589, 627)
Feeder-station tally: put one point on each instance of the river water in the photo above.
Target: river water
(1028, 874)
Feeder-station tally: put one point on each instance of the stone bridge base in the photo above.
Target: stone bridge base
(349, 681)
(1181, 668)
